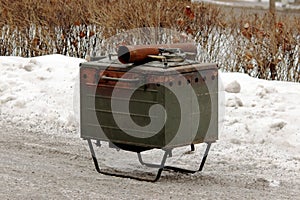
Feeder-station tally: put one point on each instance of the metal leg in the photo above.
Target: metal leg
(204, 156)
(147, 164)
(177, 169)
(192, 147)
(93, 155)
(192, 171)
(169, 152)
(160, 167)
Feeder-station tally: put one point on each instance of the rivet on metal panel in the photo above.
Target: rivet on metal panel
(145, 87)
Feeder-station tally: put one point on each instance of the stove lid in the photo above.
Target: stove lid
(153, 67)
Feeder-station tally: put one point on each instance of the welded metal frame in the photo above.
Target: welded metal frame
(161, 167)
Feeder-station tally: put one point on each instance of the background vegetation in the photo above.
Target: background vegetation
(251, 42)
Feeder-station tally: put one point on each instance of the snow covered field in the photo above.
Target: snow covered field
(258, 152)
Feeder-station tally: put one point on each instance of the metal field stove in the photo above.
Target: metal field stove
(149, 97)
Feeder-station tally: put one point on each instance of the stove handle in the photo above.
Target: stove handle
(119, 79)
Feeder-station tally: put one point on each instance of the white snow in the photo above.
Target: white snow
(38, 93)
(254, 3)
(233, 87)
(269, 112)
(41, 94)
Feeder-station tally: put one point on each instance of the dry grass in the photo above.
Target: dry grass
(249, 43)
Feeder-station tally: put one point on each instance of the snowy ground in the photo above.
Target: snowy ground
(42, 156)
(254, 3)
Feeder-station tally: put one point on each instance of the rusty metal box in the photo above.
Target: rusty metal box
(150, 105)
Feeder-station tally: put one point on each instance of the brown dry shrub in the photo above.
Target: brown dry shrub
(251, 42)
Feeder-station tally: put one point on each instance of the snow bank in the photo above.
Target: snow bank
(263, 112)
(38, 93)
